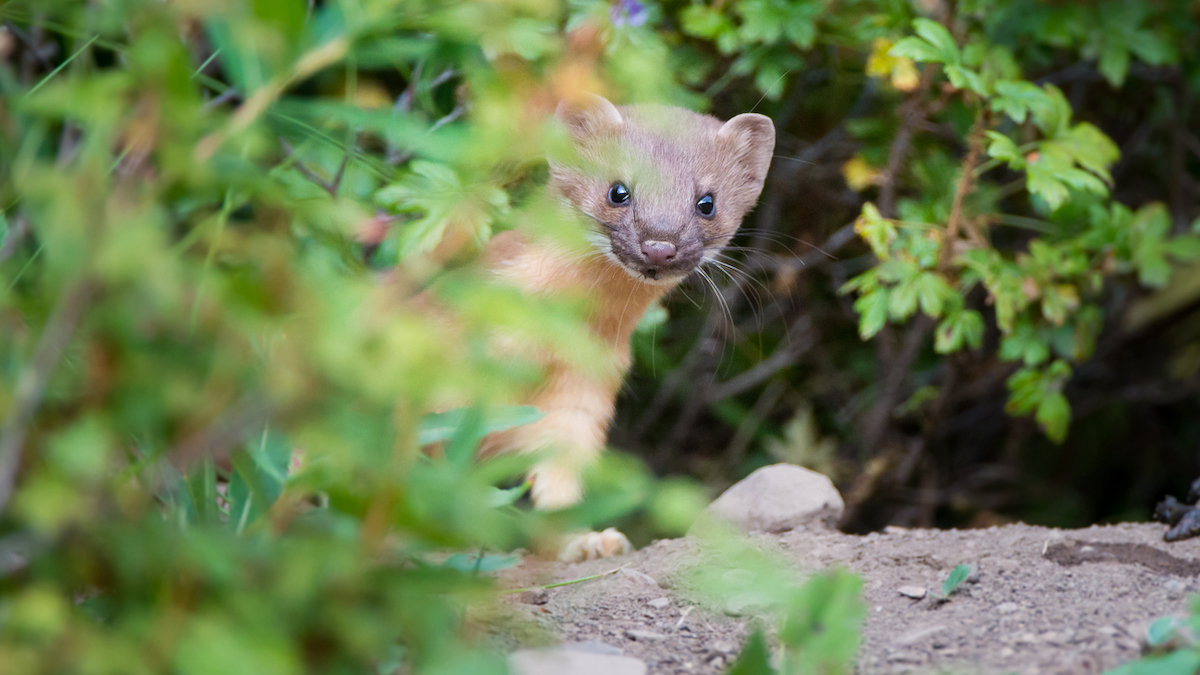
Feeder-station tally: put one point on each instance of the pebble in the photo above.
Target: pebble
(918, 635)
(644, 635)
(640, 576)
(723, 647)
(592, 647)
(778, 498)
(534, 596)
(1007, 607)
(914, 592)
(1175, 589)
(559, 661)
(659, 603)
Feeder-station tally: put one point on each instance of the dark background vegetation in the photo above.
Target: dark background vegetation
(968, 294)
(721, 382)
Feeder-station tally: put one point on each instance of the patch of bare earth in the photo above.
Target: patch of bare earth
(1044, 601)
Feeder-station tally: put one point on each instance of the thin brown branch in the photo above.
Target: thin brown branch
(736, 450)
(32, 384)
(222, 436)
(785, 356)
(911, 113)
(336, 183)
(965, 183)
(304, 170)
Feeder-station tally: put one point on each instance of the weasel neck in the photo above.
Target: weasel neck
(618, 300)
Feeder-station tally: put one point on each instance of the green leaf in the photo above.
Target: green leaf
(916, 49)
(877, 231)
(1004, 149)
(957, 575)
(1162, 630)
(873, 312)
(755, 659)
(937, 35)
(1016, 98)
(1052, 113)
(704, 21)
(903, 300)
(1054, 416)
(934, 292)
(508, 497)
(965, 78)
(1114, 63)
(823, 623)
(1025, 344)
(468, 562)
(436, 191)
(959, 327)
(1087, 146)
(437, 427)
(1148, 232)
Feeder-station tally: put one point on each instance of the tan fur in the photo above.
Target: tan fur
(668, 157)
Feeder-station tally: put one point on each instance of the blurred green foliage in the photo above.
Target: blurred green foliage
(211, 213)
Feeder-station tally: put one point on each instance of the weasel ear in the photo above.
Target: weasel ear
(588, 115)
(751, 139)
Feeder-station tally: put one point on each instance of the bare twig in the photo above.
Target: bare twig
(308, 173)
(336, 183)
(911, 113)
(15, 234)
(785, 356)
(223, 435)
(965, 183)
(221, 99)
(32, 384)
(750, 424)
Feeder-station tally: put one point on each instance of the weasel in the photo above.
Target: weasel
(663, 189)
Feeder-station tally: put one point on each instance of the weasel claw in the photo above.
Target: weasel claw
(595, 545)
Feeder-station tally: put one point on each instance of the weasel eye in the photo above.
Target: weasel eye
(706, 205)
(618, 194)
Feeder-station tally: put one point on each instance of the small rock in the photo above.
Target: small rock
(914, 592)
(1007, 607)
(534, 596)
(901, 656)
(659, 603)
(1175, 589)
(644, 635)
(559, 661)
(640, 576)
(918, 635)
(1005, 565)
(592, 647)
(723, 647)
(778, 498)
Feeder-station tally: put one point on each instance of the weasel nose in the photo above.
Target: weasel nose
(658, 252)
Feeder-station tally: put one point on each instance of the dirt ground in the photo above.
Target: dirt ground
(1044, 600)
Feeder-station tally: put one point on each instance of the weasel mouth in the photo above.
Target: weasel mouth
(651, 273)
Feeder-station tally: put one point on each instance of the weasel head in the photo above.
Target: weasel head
(664, 186)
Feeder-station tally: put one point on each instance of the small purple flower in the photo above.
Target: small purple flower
(628, 13)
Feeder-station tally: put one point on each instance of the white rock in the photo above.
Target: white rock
(659, 603)
(778, 498)
(561, 661)
(914, 592)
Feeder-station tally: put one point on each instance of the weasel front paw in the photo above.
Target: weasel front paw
(595, 545)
